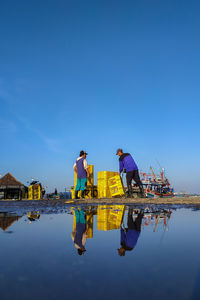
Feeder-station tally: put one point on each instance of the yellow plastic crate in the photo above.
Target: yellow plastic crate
(104, 192)
(102, 183)
(116, 186)
(90, 180)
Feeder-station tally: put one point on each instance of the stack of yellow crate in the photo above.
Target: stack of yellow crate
(116, 186)
(102, 183)
(34, 192)
(109, 217)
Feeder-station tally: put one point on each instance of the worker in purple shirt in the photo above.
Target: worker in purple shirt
(128, 165)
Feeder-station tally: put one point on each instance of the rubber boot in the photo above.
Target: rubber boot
(142, 194)
(76, 195)
(82, 194)
(130, 192)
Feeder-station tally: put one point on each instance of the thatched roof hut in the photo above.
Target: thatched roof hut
(10, 187)
(10, 181)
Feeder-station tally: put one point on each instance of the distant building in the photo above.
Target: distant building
(11, 188)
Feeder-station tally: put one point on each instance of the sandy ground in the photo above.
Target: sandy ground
(60, 206)
(173, 200)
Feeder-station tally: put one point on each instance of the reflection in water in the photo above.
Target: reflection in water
(161, 264)
(110, 217)
(33, 216)
(130, 234)
(155, 217)
(82, 228)
(89, 221)
(6, 220)
(79, 233)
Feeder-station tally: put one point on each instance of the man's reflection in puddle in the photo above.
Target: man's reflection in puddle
(80, 234)
(130, 235)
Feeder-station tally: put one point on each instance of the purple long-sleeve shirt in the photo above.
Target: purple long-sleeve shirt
(127, 162)
(130, 238)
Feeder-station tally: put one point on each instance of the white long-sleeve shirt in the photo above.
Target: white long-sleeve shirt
(84, 237)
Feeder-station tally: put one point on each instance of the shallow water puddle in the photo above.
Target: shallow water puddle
(100, 252)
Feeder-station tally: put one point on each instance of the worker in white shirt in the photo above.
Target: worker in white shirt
(81, 169)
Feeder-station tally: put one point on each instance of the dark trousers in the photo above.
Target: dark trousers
(133, 175)
(136, 225)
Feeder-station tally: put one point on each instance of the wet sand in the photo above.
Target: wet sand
(60, 206)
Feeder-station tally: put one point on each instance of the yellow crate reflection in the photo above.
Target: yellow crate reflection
(33, 215)
(89, 220)
(109, 216)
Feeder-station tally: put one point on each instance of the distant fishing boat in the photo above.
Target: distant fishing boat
(156, 186)
(154, 194)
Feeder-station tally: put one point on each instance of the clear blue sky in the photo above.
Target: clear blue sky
(98, 75)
